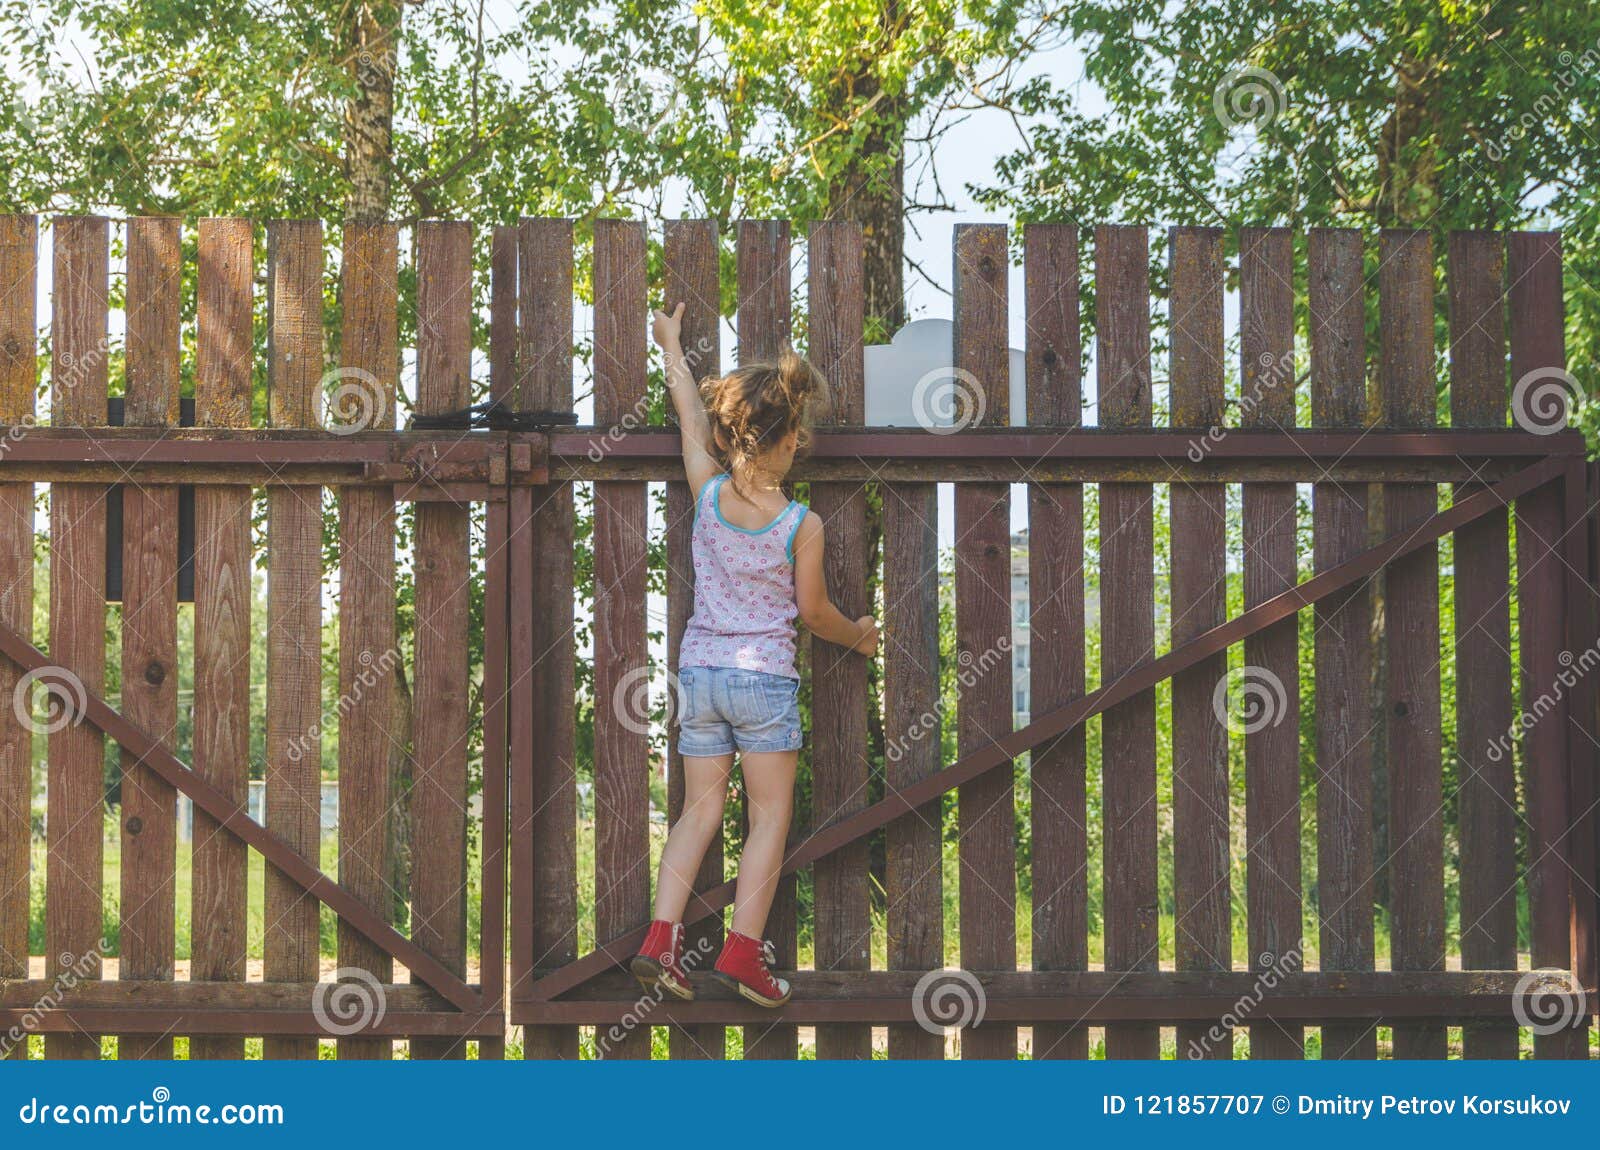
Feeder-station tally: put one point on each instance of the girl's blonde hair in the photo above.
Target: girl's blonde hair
(756, 406)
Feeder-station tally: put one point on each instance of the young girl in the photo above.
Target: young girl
(757, 564)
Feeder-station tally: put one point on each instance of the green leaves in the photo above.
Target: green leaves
(1467, 114)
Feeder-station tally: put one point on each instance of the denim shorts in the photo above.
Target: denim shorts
(723, 708)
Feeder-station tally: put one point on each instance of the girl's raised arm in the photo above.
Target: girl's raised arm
(699, 456)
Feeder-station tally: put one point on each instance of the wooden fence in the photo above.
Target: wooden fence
(1522, 576)
(225, 459)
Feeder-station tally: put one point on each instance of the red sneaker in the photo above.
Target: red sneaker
(742, 966)
(659, 962)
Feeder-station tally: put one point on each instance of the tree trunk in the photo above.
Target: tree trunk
(369, 113)
(871, 190)
(1408, 151)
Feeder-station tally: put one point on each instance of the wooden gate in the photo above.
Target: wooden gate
(1357, 457)
(139, 470)
(566, 746)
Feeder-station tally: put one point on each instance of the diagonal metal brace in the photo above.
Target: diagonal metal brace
(898, 803)
(237, 821)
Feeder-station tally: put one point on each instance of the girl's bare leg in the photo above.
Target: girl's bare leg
(769, 783)
(705, 792)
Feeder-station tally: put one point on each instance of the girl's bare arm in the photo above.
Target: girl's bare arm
(699, 455)
(821, 617)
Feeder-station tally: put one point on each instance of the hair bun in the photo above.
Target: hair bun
(755, 406)
(799, 381)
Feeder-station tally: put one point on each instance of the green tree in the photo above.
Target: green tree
(1478, 114)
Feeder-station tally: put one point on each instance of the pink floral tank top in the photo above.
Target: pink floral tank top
(744, 607)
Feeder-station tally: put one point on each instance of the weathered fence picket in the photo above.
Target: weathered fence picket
(79, 379)
(1537, 345)
(224, 340)
(985, 808)
(762, 265)
(365, 400)
(693, 276)
(439, 783)
(150, 620)
(840, 768)
(19, 259)
(1342, 653)
(1272, 738)
(1057, 769)
(294, 602)
(544, 776)
(1487, 788)
(1127, 622)
(621, 535)
(1200, 792)
(1411, 628)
